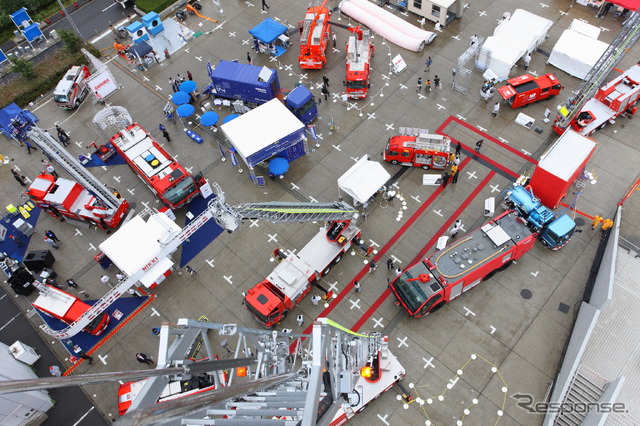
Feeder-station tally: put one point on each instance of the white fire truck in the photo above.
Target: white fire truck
(72, 89)
(271, 300)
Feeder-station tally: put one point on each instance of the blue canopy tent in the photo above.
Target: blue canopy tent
(270, 36)
(143, 53)
(14, 121)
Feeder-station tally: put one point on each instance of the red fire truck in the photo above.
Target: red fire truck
(162, 173)
(314, 37)
(616, 98)
(418, 148)
(526, 89)
(360, 50)
(72, 89)
(67, 308)
(73, 201)
(271, 300)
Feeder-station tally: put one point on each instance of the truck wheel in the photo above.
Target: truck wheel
(338, 258)
(425, 167)
(437, 307)
(602, 126)
(326, 271)
(505, 266)
(394, 162)
(490, 274)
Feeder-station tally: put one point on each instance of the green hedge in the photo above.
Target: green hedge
(48, 72)
(154, 5)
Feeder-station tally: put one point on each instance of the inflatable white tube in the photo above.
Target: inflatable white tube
(389, 26)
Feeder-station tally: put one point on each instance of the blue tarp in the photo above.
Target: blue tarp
(13, 112)
(268, 30)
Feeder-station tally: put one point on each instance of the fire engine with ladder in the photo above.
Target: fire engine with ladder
(326, 378)
(428, 285)
(595, 79)
(271, 300)
(360, 51)
(314, 37)
(418, 148)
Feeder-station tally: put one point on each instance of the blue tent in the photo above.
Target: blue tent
(14, 121)
(268, 30)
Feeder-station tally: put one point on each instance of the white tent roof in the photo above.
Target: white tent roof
(363, 179)
(576, 53)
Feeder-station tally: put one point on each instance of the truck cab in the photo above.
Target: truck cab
(302, 104)
(72, 89)
(525, 89)
(423, 150)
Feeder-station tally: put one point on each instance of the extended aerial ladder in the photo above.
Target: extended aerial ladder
(625, 39)
(230, 218)
(330, 376)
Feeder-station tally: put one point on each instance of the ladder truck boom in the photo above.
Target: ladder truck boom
(228, 217)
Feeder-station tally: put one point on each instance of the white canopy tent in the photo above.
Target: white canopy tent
(363, 179)
(578, 49)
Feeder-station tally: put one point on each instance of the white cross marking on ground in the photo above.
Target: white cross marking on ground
(337, 147)
(390, 126)
(371, 115)
(461, 117)
(493, 329)
(159, 88)
(294, 186)
(525, 152)
(333, 286)
(154, 312)
(483, 13)
(233, 34)
(186, 49)
(145, 204)
(542, 5)
(104, 168)
(455, 37)
(319, 85)
(92, 247)
(384, 419)
(481, 128)
(395, 185)
(355, 303)
(395, 259)
(78, 232)
(335, 50)
(254, 223)
(468, 311)
(452, 382)
(303, 76)
(144, 78)
(535, 274)
(494, 188)
(131, 191)
(313, 200)
(421, 96)
(377, 322)
(199, 58)
(103, 358)
(117, 178)
(189, 169)
(416, 197)
(534, 73)
(562, 12)
(428, 362)
(472, 175)
(245, 42)
(287, 67)
(402, 86)
(503, 140)
(228, 279)
(437, 212)
(385, 77)
(319, 135)
(441, 107)
(373, 243)
(355, 159)
(402, 342)
(210, 262)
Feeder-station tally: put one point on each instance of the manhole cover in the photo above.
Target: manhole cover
(563, 308)
(526, 294)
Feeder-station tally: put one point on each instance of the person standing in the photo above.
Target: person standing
(458, 149)
(105, 279)
(436, 83)
(249, 60)
(180, 79)
(52, 171)
(29, 146)
(300, 320)
(419, 85)
(390, 264)
(445, 179)
(172, 82)
(315, 299)
(190, 271)
(479, 145)
(372, 266)
(325, 92)
(427, 86)
(71, 283)
(55, 371)
(49, 233)
(474, 39)
(457, 226)
(356, 287)
(165, 134)
(526, 60)
(325, 80)
(51, 243)
(61, 132)
(496, 109)
(454, 174)
(438, 27)
(334, 39)
(427, 64)
(422, 22)
(98, 97)
(18, 177)
(264, 4)
(189, 75)
(143, 359)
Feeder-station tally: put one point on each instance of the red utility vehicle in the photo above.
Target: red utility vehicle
(526, 89)
(418, 148)
(314, 37)
(360, 51)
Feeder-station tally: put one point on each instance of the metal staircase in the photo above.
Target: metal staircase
(585, 389)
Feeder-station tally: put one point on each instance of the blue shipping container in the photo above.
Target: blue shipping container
(233, 80)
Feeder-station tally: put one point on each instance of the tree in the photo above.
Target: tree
(71, 40)
(23, 67)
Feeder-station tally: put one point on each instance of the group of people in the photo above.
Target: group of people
(454, 164)
(175, 82)
(427, 88)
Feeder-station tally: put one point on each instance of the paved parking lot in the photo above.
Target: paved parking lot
(504, 337)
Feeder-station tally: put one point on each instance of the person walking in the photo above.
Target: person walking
(52, 171)
(436, 83)
(180, 79)
(71, 283)
(356, 287)
(105, 279)
(479, 145)
(143, 359)
(496, 109)
(49, 233)
(29, 147)
(172, 82)
(474, 39)
(120, 276)
(166, 135)
(85, 356)
(390, 264)
(445, 179)
(372, 266)
(51, 242)
(325, 92)
(264, 4)
(55, 371)
(18, 177)
(315, 299)
(325, 80)
(249, 60)
(300, 320)
(334, 39)
(189, 75)
(427, 86)
(61, 132)
(454, 174)
(419, 85)
(457, 226)
(526, 60)
(190, 271)
(458, 149)
(422, 22)
(427, 64)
